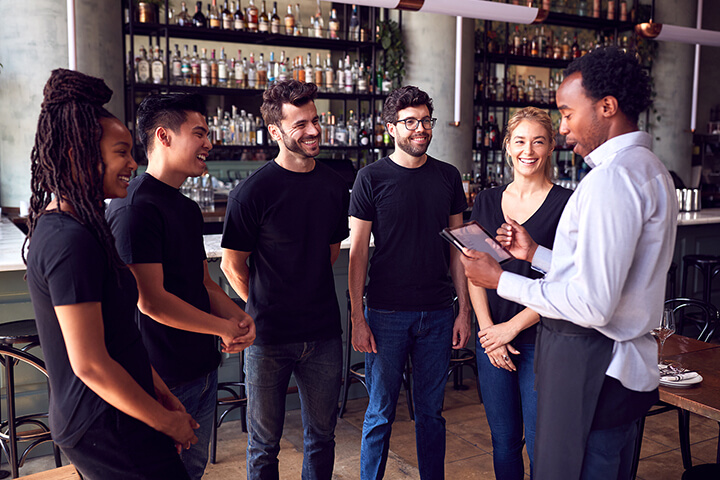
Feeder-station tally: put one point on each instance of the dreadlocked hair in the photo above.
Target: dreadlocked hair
(66, 160)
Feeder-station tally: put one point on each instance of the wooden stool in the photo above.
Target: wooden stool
(11, 333)
(67, 472)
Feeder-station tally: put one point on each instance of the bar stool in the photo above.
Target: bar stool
(708, 267)
(11, 333)
(671, 281)
(707, 471)
(236, 398)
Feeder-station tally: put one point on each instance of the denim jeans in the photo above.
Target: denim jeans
(317, 367)
(199, 397)
(510, 401)
(427, 338)
(609, 453)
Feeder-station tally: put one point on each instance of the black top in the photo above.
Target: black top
(541, 226)
(155, 223)
(66, 266)
(408, 207)
(288, 220)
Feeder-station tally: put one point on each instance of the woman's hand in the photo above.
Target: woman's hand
(496, 336)
(499, 357)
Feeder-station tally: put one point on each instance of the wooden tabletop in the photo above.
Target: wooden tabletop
(703, 398)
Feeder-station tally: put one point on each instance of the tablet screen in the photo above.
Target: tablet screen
(473, 236)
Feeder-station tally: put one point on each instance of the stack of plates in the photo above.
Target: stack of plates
(678, 377)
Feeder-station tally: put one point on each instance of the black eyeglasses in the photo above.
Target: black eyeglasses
(412, 123)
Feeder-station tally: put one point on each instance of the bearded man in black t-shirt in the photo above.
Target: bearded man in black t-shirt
(405, 200)
(287, 220)
(158, 233)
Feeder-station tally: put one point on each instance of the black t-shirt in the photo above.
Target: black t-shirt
(66, 266)
(156, 223)
(541, 226)
(288, 220)
(408, 207)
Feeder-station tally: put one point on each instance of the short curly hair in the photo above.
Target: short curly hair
(293, 92)
(404, 97)
(611, 71)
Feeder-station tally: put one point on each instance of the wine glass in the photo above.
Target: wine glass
(665, 329)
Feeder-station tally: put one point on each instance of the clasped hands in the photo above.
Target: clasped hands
(240, 336)
(484, 271)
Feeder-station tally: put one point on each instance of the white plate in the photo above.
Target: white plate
(682, 383)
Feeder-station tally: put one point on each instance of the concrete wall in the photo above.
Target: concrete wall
(708, 91)
(430, 44)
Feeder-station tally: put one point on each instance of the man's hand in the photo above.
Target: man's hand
(516, 239)
(246, 338)
(481, 269)
(461, 331)
(362, 337)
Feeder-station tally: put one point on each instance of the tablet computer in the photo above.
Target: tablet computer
(473, 236)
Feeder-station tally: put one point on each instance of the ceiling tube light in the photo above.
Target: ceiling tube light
(673, 33)
(480, 9)
(458, 72)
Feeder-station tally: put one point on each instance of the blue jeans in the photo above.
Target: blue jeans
(427, 338)
(317, 367)
(609, 453)
(510, 401)
(199, 397)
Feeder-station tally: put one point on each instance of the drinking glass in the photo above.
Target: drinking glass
(665, 329)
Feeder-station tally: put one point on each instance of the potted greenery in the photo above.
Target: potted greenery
(390, 38)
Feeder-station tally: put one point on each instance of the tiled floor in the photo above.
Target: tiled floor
(468, 444)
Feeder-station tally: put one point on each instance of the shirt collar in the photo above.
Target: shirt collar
(607, 151)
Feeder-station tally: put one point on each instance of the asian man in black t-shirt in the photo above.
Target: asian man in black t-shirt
(158, 233)
(288, 219)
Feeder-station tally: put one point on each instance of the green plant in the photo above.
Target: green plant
(393, 50)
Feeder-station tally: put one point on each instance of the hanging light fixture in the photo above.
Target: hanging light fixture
(673, 33)
(480, 9)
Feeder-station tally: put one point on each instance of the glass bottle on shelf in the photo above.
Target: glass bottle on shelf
(333, 25)
(195, 67)
(340, 77)
(535, 44)
(240, 72)
(262, 75)
(199, 19)
(565, 45)
(386, 83)
(516, 41)
(582, 9)
(348, 75)
(611, 10)
(575, 49)
(354, 27)
(239, 19)
(227, 17)
(289, 21)
(186, 67)
(362, 83)
(299, 69)
(298, 30)
(318, 72)
(183, 18)
(525, 45)
(623, 11)
(204, 68)
(158, 66)
(176, 77)
(317, 22)
(597, 9)
(251, 17)
(272, 69)
(309, 69)
(213, 69)
(275, 20)
(252, 72)
(222, 69)
(143, 67)
(329, 74)
(263, 20)
(282, 67)
(230, 72)
(214, 17)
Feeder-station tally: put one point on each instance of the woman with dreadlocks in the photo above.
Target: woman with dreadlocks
(110, 413)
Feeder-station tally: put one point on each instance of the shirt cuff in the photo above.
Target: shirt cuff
(542, 259)
(510, 286)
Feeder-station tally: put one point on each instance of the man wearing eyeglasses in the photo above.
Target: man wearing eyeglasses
(405, 200)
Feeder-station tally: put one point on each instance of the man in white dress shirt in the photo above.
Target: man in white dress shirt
(605, 278)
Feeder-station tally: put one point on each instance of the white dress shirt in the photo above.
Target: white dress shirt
(612, 251)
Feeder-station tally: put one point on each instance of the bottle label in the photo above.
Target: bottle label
(185, 70)
(275, 26)
(214, 23)
(157, 72)
(204, 74)
(177, 68)
(227, 23)
(222, 72)
(263, 26)
(239, 24)
(143, 71)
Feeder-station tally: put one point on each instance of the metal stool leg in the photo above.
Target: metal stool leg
(12, 430)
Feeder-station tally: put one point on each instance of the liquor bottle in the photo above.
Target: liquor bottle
(252, 72)
(551, 90)
(260, 137)
(354, 27)
(525, 45)
(298, 30)
(329, 74)
(386, 83)
(364, 134)
(263, 20)
(340, 77)
(289, 21)
(379, 130)
(362, 79)
(204, 68)
(262, 74)
(341, 132)
(227, 17)
(611, 10)
(199, 19)
(623, 11)
(565, 46)
(333, 25)
(222, 69)
(239, 18)
(318, 72)
(183, 18)
(516, 41)
(318, 24)
(299, 72)
(575, 49)
(239, 71)
(535, 44)
(195, 67)
(214, 19)
(176, 76)
(213, 69)
(348, 75)
(352, 129)
(186, 68)
(158, 66)
(275, 20)
(251, 17)
(230, 72)
(596, 9)
(309, 70)
(547, 42)
(582, 9)
(282, 67)
(143, 67)
(272, 69)
(478, 133)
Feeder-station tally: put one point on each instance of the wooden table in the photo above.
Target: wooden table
(704, 398)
